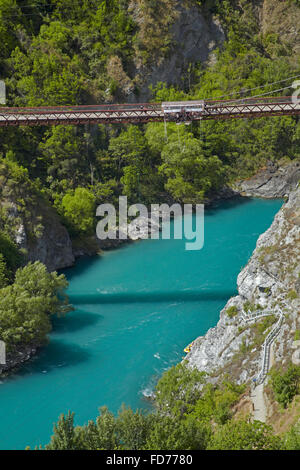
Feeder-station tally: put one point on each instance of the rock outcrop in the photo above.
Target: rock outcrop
(272, 181)
(49, 243)
(270, 280)
(53, 247)
(194, 35)
(17, 358)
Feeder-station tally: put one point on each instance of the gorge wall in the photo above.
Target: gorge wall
(270, 280)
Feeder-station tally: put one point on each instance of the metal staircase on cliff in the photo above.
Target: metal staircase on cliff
(266, 352)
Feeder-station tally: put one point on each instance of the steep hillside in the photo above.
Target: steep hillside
(74, 53)
(31, 223)
(269, 283)
(172, 35)
(281, 19)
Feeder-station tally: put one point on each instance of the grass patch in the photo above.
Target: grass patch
(292, 295)
(232, 311)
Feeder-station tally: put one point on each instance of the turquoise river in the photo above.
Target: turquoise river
(136, 308)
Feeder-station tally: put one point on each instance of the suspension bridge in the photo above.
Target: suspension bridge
(179, 112)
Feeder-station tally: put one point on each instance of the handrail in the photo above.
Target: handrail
(268, 341)
(266, 351)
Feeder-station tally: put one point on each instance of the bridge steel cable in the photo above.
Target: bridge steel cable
(248, 90)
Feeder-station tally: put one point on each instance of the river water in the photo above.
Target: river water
(137, 307)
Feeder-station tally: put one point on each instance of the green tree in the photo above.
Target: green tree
(65, 436)
(26, 305)
(38, 282)
(243, 435)
(3, 272)
(136, 164)
(79, 210)
(63, 148)
(285, 385)
(178, 389)
(10, 255)
(129, 148)
(292, 438)
(169, 433)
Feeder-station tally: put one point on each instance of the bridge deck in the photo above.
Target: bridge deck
(146, 112)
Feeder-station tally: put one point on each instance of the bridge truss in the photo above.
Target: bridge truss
(147, 112)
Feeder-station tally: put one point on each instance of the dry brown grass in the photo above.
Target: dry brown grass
(283, 419)
(243, 408)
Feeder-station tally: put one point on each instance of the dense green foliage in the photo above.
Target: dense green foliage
(79, 209)
(86, 52)
(26, 305)
(9, 257)
(3, 272)
(190, 414)
(243, 435)
(285, 384)
(292, 438)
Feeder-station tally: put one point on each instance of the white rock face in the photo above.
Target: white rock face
(21, 237)
(271, 278)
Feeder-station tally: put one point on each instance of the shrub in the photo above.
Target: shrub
(285, 385)
(297, 335)
(242, 435)
(232, 311)
(292, 295)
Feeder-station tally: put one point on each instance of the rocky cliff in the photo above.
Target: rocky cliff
(38, 232)
(172, 36)
(270, 282)
(272, 181)
(53, 245)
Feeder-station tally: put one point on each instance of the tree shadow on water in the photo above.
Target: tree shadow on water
(75, 321)
(56, 354)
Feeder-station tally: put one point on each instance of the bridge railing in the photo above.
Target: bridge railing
(123, 107)
(83, 108)
(255, 315)
(265, 364)
(266, 350)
